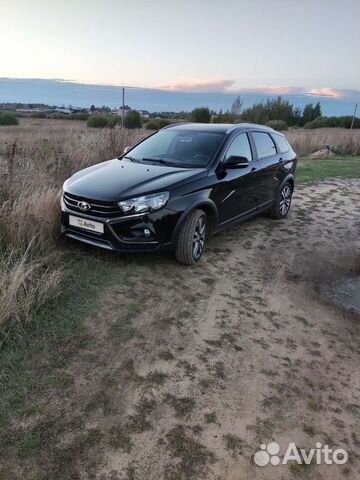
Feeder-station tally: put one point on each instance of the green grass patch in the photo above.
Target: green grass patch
(192, 455)
(313, 170)
(183, 406)
(233, 443)
(34, 355)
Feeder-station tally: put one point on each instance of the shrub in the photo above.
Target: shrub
(57, 116)
(277, 125)
(201, 115)
(113, 121)
(77, 116)
(157, 124)
(97, 121)
(7, 118)
(319, 122)
(62, 116)
(333, 122)
(132, 119)
(39, 115)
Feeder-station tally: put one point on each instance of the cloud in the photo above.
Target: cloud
(273, 90)
(329, 92)
(232, 86)
(229, 86)
(199, 86)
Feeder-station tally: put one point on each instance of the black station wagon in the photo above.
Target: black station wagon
(178, 186)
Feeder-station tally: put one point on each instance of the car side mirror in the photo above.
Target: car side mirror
(126, 149)
(236, 162)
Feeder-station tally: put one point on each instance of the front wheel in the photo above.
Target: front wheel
(282, 205)
(192, 238)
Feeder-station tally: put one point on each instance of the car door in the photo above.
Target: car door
(269, 163)
(236, 191)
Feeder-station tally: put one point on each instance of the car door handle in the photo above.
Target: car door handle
(253, 169)
(281, 160)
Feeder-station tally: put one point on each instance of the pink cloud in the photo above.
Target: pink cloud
(231, 86)
(199, 86)
(327, 92)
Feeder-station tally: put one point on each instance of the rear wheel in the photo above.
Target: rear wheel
(192, 238)
(283, 202)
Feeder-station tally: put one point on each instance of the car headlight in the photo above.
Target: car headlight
(146, 203)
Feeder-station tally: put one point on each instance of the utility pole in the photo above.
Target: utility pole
(123, 107)
(353, 119)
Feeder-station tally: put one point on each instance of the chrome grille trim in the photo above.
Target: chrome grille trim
(102, 208)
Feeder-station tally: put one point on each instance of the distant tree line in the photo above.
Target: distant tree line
(273, 110)
(276, 113)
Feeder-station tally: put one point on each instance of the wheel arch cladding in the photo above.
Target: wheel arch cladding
(211, 213)
(289, 179)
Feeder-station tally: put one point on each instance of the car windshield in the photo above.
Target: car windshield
(180, 148)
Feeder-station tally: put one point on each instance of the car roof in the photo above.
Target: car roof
(218, 127)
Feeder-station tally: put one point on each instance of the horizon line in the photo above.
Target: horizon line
(260, 90)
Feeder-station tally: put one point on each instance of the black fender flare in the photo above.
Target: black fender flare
(289, 178)
(205, 204)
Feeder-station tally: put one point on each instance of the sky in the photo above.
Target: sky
(270, 46)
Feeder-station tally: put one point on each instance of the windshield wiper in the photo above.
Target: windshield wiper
(161, 161)
(133, 159)
(157, 160)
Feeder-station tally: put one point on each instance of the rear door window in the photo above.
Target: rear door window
(265, 145)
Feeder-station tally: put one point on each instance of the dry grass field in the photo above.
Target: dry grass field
(308, 141)
(124, 367)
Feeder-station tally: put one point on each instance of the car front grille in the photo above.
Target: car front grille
(97, 207)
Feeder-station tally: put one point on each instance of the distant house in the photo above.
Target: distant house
(78, 110)
(32, 110)
(64, 111)
(144, 113)
(126, 110)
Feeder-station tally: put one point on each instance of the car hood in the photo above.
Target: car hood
(116, 179)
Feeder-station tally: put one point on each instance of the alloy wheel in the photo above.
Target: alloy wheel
(285, 200)
(199, 237)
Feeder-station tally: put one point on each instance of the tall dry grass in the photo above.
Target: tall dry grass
(35, 159)
(308, 141)
(26, 282)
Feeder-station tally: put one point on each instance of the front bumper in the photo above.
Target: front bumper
(125, 233)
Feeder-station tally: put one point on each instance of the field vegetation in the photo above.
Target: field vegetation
(34, 162)
(8, 118)
(38, 156)
(49, 289)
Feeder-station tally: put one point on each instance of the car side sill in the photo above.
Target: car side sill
(244, 216)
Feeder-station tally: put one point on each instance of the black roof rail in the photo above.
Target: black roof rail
(175, 124)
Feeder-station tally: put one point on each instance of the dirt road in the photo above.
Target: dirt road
(188, 370)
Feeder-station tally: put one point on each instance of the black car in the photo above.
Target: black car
(178, 186)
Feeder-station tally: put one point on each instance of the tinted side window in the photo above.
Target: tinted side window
(265, 145)
(282, 143)
(240, 147)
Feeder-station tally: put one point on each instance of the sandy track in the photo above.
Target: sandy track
(191, 369)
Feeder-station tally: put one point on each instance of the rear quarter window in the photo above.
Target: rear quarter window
(282, 143)
(265, 145)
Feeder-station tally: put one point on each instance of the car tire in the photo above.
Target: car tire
(192, 238)
(283, 202)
